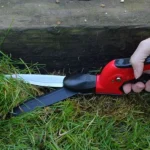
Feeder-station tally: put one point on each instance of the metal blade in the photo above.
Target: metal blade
(40, 80)
(43, 101)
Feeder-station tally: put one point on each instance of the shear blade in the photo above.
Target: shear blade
(43, 101)
(40, 80)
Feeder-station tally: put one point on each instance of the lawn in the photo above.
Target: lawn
(90, 122)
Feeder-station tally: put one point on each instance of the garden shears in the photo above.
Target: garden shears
(109, 82)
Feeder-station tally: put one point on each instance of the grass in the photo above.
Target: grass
(88, 122)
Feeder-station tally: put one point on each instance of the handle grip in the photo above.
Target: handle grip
(143, 78)
(116, 73)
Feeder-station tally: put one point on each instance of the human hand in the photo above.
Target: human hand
(137, 62)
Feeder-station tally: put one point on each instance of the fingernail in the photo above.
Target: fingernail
(136, 74)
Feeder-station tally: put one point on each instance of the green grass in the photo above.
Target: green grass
(81, 123)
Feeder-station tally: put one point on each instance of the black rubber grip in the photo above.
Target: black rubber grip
(143, 78)
(84, 83)
(125, 62)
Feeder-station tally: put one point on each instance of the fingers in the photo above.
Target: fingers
(127, 88)
(137, 62)
(138, 87)
(147, 86)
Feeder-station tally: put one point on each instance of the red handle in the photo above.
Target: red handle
(114, 75)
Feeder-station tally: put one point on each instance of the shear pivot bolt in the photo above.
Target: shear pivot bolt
(118, 79)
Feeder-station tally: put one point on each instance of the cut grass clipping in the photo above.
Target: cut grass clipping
(82, 123)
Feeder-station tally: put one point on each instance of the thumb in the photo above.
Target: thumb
(138, 58)
(137, 68)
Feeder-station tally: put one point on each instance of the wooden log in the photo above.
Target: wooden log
(73, 36)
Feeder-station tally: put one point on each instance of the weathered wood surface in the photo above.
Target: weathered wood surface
(73, 35)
